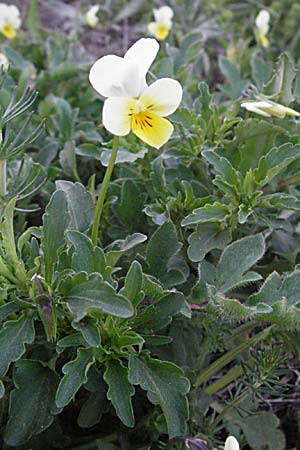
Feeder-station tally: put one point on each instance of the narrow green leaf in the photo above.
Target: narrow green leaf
(120, 391)
(2, 389)
(13, 337)
(75, 374)
(85, 293)
(90, 331)
(166, 386)
(31, 402)
(215, 212)
(133, 282)
(55, 222)
(282, 80)
(86, 257)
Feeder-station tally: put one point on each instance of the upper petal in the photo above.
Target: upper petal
(262, 18)
(113, 76)
(162, 97)
(117, 115)
(165, 13)
(143, 53)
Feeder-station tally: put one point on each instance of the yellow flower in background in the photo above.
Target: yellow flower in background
(132, 105)
(4, 61)
(162, 22)
(231, 443)
(262, 27)
(91, 16)
(267, 108)
(10, 20)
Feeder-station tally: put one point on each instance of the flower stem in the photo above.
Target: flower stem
(103, 189)
(3, 181)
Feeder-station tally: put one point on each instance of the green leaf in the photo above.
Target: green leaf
(261, 70)
(55, 222)
(133, 283)
(207, 237)
(13, 337)
(232, 73)
(67, 159)
(86, 293)
(96, 403)
(7, 309)
(154, 376)
(2, 389)
(274, 161)
(280, 201)
(120, 247)
(282, 80)
(130, 207)
(123, 156)
(236, 260)
(215, 212)
(261, 431)
(120, 391)
(75, 374)
(86, 257)
(31, 402)
(89, 329)
(161, 251)
(159, 314)
(80, 204)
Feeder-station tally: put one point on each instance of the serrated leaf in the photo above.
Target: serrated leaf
(13, 337)
(269, 291)
(162, 247)
(280, 200)
(80, 204)
(85, 293)
(120, 391)
(236, 260)
(75, 374)
(154, 377)
(207, 237)
(86, 257)
(55, 222)
(215, 212)
(35, 391)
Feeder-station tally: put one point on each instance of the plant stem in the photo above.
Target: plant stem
(103, 189)
(3, 181)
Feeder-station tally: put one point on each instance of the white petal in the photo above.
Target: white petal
(112, 76)
(162, 97)
(165, 13)
(143, 53)
(117, 115)
(231, 443)
(262, 19)
(255, 107)
(152, 28)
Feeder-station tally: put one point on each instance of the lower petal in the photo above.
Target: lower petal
(117, 114)
(152, 129)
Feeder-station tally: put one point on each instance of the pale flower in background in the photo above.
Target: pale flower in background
(231, 443)
(4, 61)
(267, 108)
(10, 20)
(162, 22)
(262, 27)
(91, 16)
(132, 105)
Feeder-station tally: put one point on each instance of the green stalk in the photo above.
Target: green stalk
(221, 383)
(32, 18)
(3, 178)
(229, 356)
(103, 189)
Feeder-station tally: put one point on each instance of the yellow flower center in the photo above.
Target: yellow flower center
(8, 31)
(162, 31)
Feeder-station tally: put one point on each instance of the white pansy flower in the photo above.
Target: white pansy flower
(267, 108)
(4, 61)
(231, 443)
(132, 105)
(162, 22)
(10, 20)
(262, 27)
(91, 16)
